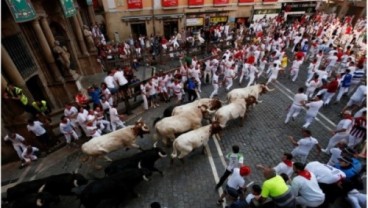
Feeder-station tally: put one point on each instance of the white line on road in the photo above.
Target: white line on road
(214, 171)
(214, 137)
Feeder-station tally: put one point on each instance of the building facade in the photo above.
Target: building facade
(44, 52)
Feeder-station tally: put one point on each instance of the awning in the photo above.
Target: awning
(169, 16)
(136, 18)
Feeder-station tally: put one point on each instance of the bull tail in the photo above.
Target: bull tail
(156, 120)
(174, 154)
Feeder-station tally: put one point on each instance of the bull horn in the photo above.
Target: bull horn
(41, 188)
(75, 182)
(268, 89)
(223, 101)
(140, 119)
(155, 144)
(145, 178)
(162, 155)
(139, 165)
(39, 203)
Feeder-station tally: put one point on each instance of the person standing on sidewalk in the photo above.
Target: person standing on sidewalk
(297, 105)
(236, 160)
(17, 142)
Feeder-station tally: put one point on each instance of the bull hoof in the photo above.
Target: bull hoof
(84, 159)
(98, 167)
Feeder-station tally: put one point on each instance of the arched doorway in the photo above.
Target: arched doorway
(37, 90)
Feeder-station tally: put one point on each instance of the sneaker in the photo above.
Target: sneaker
(219, 202)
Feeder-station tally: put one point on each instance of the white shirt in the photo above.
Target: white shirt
(332, 60)
(283, 168)
(296, 64)
(322, 74)
(236, 181)
(325, 173)
(82, 117)
(72, 112)
(252, 70)
(109, 81)
(307, 189)
(305, 145)
(18, 140)
(37, 128)
(106, 92)
(299, 98)
(66, 128)
(120, 78)
(360, 93)
(234, 160)
(344, 124)
(114, 116)
(314, 107)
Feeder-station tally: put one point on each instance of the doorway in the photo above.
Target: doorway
(169, 28)
(138, 29)
(36, 88)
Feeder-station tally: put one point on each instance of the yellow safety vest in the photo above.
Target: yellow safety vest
(41, 108)
(18, 93)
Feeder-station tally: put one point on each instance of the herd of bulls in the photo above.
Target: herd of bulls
(122, 176)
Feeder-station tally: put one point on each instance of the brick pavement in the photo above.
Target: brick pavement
(262, 140)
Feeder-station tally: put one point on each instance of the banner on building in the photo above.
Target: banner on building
(22, 10)
(245, 2)
(270, 1)
(216, 20)
(195, 3)
(68, 8)
(135, 4)
(190, 22)
(170, 3)
(220, 2)
(308, 7)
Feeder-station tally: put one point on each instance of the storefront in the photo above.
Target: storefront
(295, 10)
(194, 23)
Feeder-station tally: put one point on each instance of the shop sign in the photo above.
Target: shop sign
(195, 2)
(194, 21)
(220, 2)
(22, 10)
(170, 3)
(68, 8)
(218, 19)
(308, 7)
(266, 11)
(135, 4)
(270, 1)
(245, 2)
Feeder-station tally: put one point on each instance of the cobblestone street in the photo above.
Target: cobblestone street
(262, 139)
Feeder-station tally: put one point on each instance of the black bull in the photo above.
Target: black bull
(114, 188)
(61, 184)
(146, 159)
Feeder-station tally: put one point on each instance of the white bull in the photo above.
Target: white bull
(169, 127)
(186, 142)
(254, 90)
(125, 137)
(233, 110)
(212, 104)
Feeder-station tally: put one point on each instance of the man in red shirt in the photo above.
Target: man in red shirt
(331, 90)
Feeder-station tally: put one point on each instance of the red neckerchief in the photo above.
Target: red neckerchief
(349, 117)
(306, 174)
(288, 163)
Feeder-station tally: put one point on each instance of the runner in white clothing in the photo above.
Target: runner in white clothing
(253, 71)
(274, 73)
(304, 145)
(295, 69)
(115, 118)
(299, 99)
(313, 108)
(17, 142)
(215, 84)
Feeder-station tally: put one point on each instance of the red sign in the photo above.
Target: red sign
(220, 2)
(195, 2)
(246, 1)
(269, 1)
(170, 3)
(135, 4)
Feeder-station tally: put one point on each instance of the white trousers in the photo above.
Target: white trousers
(327, 97)
(19, 148)
(293, 112)
(68, 136)
(251, 80)
(357, 199)
(103, 124)
(115, 124)
(294, 74)
(336, 139)
(215, 90)
(308, 203)
(309, 118)
(145, 102)
(229, 83)
(342, 91)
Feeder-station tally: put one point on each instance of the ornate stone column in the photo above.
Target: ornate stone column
(10, 69)
(54, 71)
(47, 31)
(91, 14)
(78, 32)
